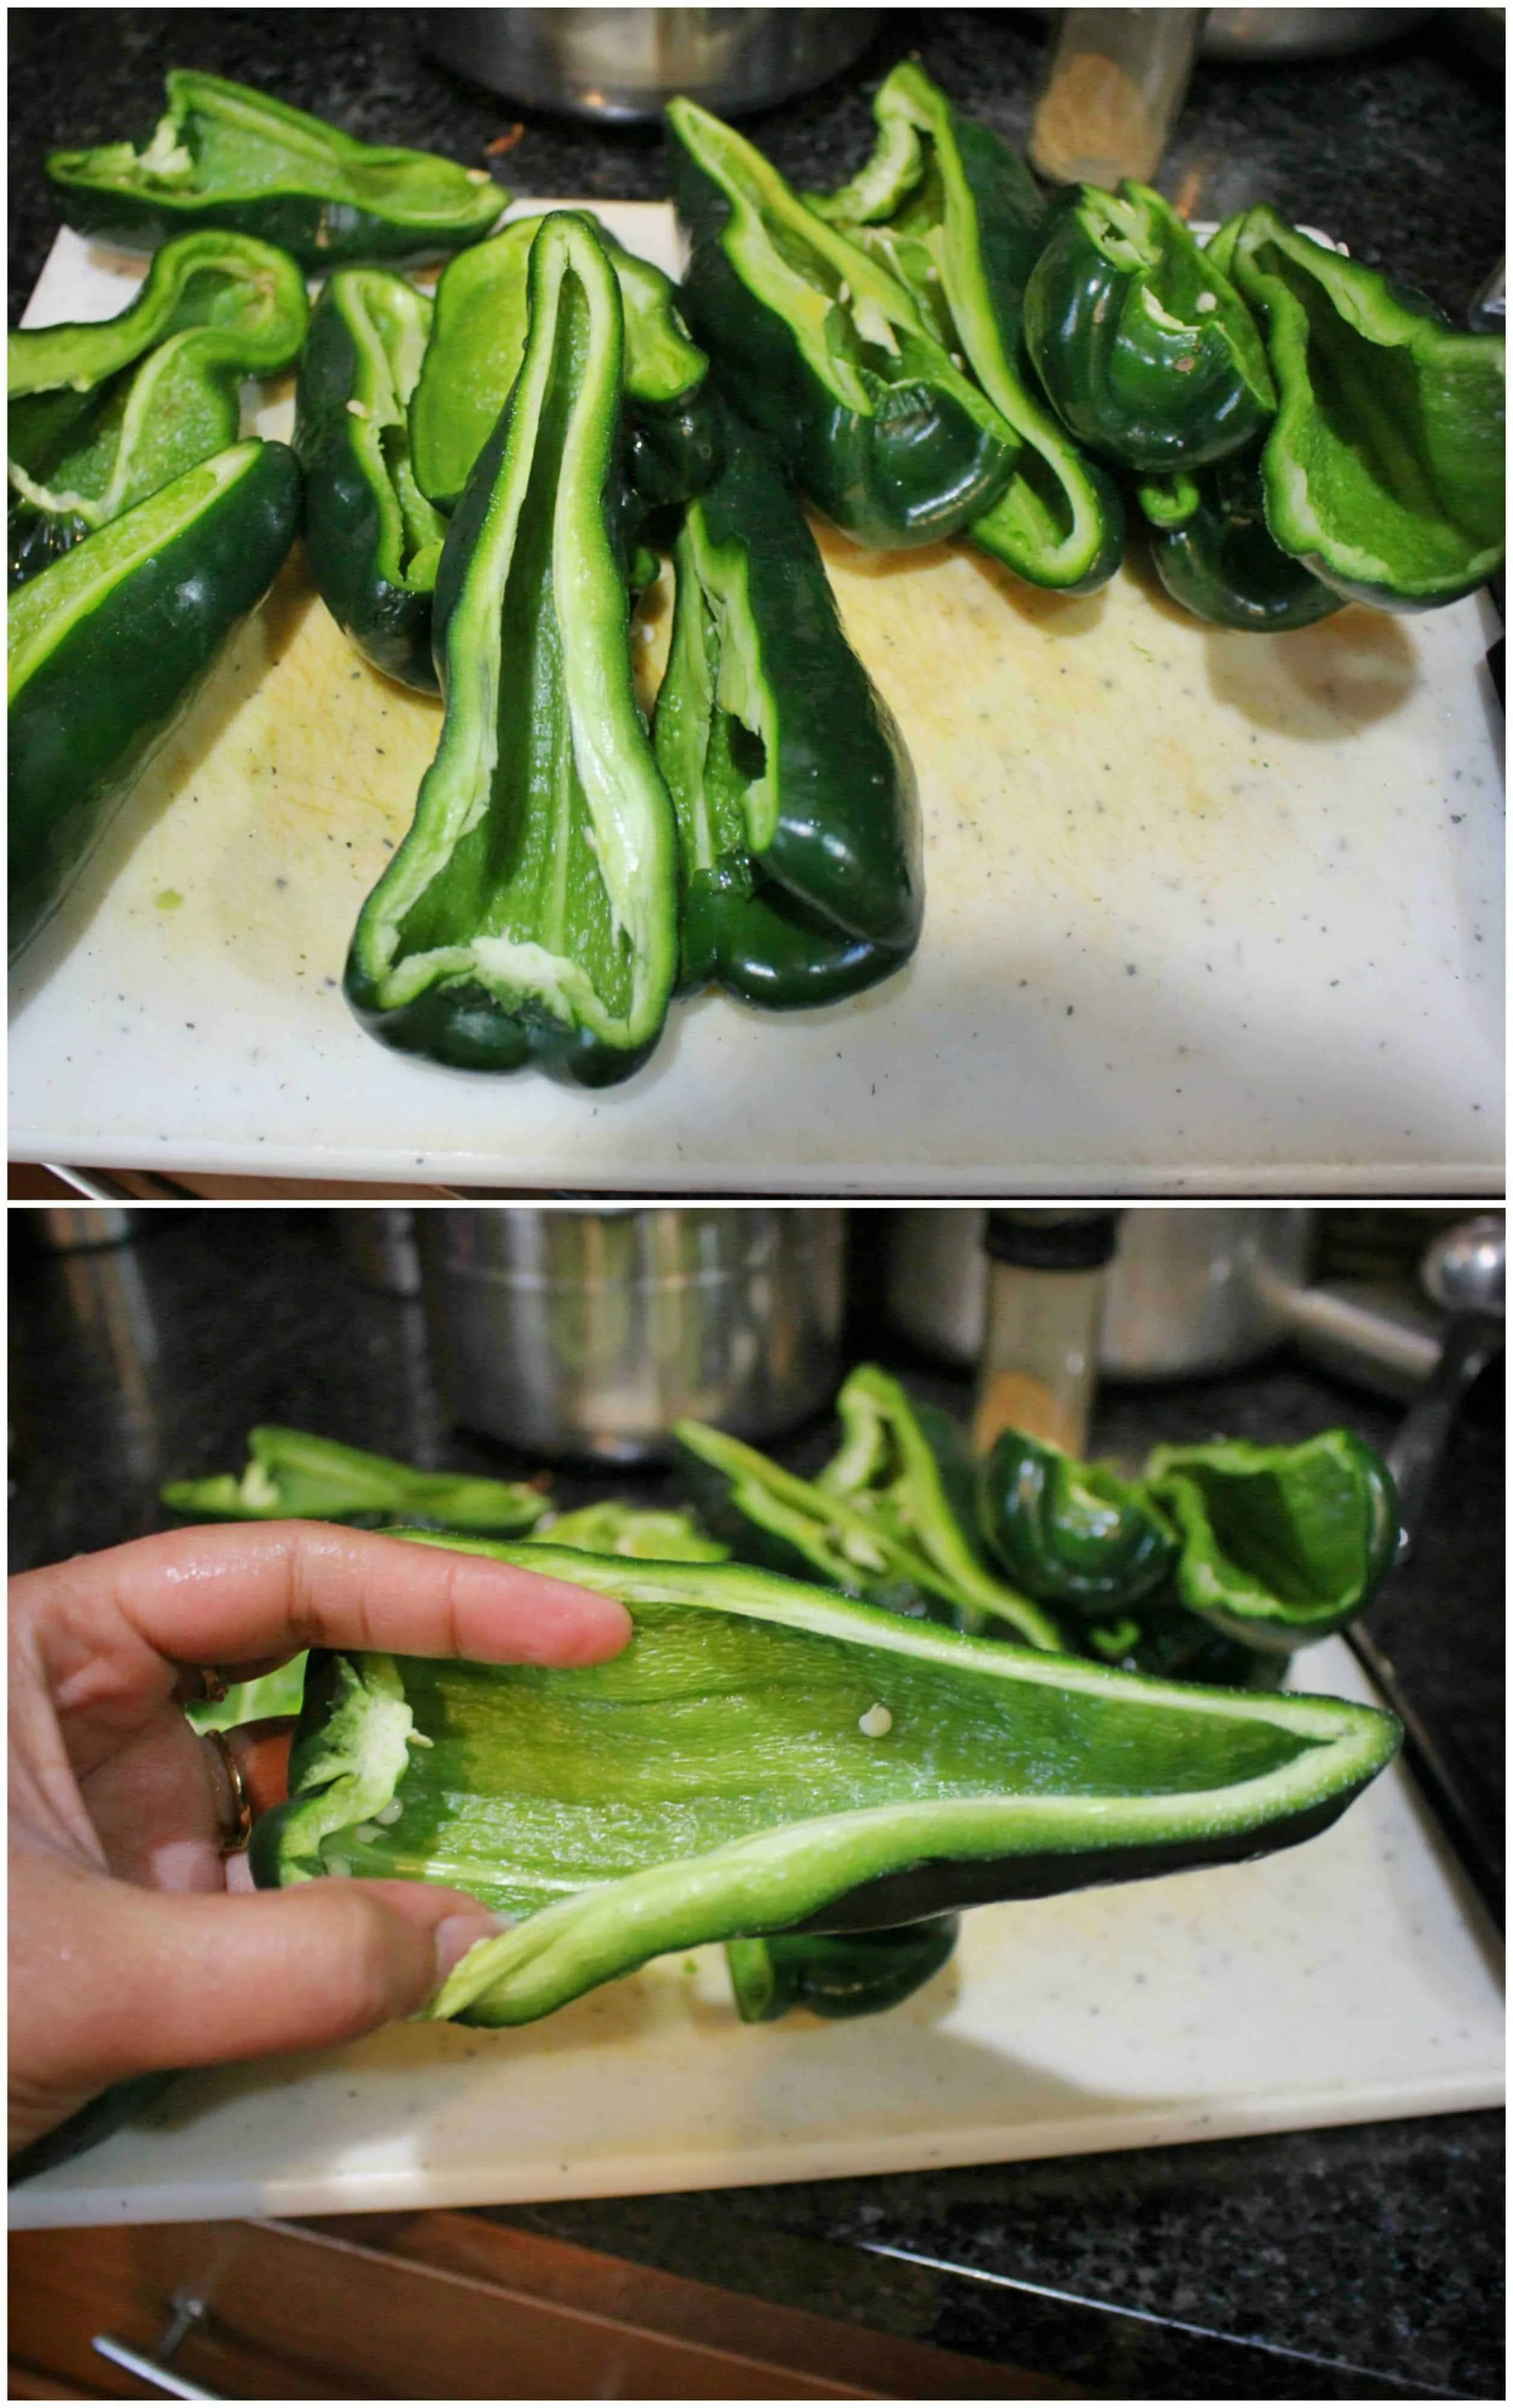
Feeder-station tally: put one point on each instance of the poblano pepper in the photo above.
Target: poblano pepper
(530, 915)
(612, 1528)
(1279, 1544)
(110, 646)
(1149, 354)
(294, 1475)
(825, 353)
(104, 413)
(475, 349)
(955, 215)
(765, 1757)
(1217, 558)
(836, 1974)
(226, 155)
(372, 539)
(1384, 473)
(1074, 1534)
(798, 816)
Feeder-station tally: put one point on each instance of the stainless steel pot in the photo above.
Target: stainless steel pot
(588, 1334)
(625, 62)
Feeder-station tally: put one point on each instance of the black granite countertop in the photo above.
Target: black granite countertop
(1398, 152)
(1357, 2263)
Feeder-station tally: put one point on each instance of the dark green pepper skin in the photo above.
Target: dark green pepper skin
(338, 200)
(1221, 563)
(834, 899)
(926, 459)
(1070, 1533)
(1148, 353)
(362, 523)
(108, 688)
(838, 1976)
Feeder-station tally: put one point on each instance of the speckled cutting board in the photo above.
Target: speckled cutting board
(1206, 911)
(1352, 1978)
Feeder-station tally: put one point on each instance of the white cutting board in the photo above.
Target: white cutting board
(1351, 1978)
(1207, 913)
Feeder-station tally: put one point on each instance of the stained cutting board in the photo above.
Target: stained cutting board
(1207, 913)
(1352, 1978)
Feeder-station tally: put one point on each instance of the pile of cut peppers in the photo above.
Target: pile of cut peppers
(487, 480)
(811, 1751)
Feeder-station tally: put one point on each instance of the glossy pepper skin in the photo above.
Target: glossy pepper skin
(478, 340)
(295, 1475)
(1278, 1545)
(837, 1975)
(372, 539)
(1073, 1534)
(798, 815)
(224, 156)
(1149, 354)
(1215, 556)
(955, 215)
(1385, 472)
(826, 353)
(728, 1777)
(530, 915)
(108, 647)
(103, 414)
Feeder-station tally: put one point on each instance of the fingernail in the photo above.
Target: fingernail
(457, 1933)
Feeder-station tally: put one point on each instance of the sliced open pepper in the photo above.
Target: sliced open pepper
(797, 814)
(372, 539)
(824, 351)
(1385, 471)
(1147, 349)
(226, 155)
(955, 215)
(104, 413)
(1217, 558)
(478, 342)
(1074, 1534)
(766, 1756)
(836, 1974)
(294, 1475)
(530, 915)
(108, 647)
(612, 1528)
(1279, 1544)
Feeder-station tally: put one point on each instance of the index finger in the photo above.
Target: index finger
(230, 1593)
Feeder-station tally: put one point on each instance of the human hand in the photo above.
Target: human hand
(127, 1953)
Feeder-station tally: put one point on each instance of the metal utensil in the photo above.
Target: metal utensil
(1463, 1272)
(623, 64)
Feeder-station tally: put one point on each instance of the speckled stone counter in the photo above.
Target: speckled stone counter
(1398, 152)
(1359, 2263)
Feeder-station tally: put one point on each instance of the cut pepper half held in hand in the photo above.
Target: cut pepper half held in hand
(110, 646)
(826, 353)
(766, 1756)
(798, 815)
(226, 155)
(1147, 349)
(104, 414)
(294, 1475)
(1385, 472)
(530, 915)
(478, 342)
(372, 539)
(955, 216)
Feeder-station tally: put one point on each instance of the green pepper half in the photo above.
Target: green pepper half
(478, 342)
(531, 911)
(108, 647)
(294, 1475)
(1217, 559)
(765, 1757)
(372, 539)
(825, 353)
(1147, 349)
(955, 215)
(655, 1533)
(1279, 1544)
(226, 155)
(836, 1974)
(1073, 1534)
(797, 814)
(104, 414)
(1385, 473)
